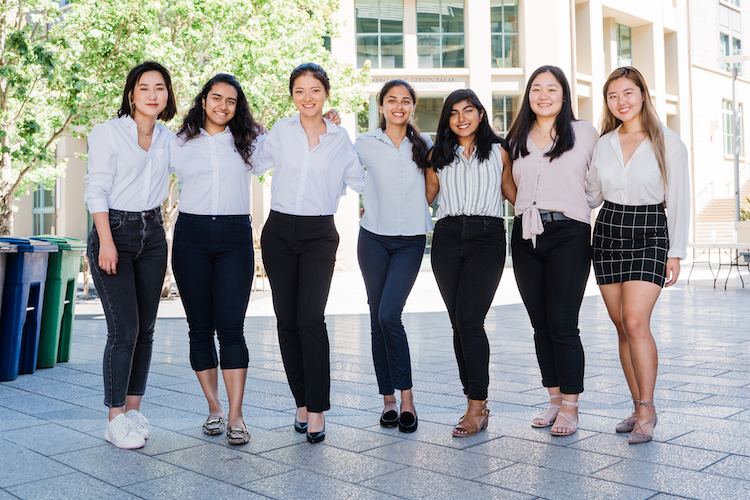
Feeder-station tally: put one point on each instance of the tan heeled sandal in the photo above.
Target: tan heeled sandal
(476, 419)
(542, 420)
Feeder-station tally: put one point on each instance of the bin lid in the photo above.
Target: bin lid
(28, 245)
(62, 242)
(6, 247)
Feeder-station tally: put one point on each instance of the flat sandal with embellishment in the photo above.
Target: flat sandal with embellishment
(570, 425)
(214, 426)
(238, 434)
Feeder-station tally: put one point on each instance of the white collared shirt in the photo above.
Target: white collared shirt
(471, 187)
(215, 179)
(304, 181)
(394, 197)
(121, 175)
(639, 182)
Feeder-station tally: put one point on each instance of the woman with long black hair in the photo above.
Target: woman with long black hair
(213, 242)
(125, 186)
(640, 169)
(312, 159)
(551, 152)
(468, 245)
(392, 240)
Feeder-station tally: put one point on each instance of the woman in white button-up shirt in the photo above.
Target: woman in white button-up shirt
(639, 169)
(313, 159)
(213, 242)
(392, 240)
(125, 186)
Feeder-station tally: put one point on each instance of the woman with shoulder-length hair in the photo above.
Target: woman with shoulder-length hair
(551, 152)
(125, 185)
(312, 160)
(468, 245)
(392, 240)
(213, 242)
(639, 169)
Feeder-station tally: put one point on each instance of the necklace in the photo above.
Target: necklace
(633, 138)
(544, 136)
(141, 131)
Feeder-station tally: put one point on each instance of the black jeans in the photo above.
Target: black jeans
(130, 299)
(299, 253)
(468, 256)
(552, 278)
(213, 265)
(389, 266)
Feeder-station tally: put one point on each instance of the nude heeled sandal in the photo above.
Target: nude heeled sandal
(628, 424)
(569, 425)
(638, 437)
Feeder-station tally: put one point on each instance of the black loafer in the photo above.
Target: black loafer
(389, 419)
(407, 422)
(300, 427)
(316, 437)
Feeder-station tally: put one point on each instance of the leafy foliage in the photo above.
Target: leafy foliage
(65, 73)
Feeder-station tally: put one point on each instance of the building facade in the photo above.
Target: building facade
(492, 46)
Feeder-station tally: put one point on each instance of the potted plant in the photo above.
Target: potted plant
(743, 226)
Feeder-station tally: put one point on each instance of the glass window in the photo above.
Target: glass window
(624, 52)
(504, 28)
(440, 34)
(427, 114)
(43, 211)
(730, 45)
(380, 28)
(728, 128)
(504, 109)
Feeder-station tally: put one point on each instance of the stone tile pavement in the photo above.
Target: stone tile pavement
(52, 422)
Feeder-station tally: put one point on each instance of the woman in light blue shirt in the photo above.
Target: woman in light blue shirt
(392, 240)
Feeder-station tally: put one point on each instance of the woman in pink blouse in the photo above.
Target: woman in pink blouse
(551, 152)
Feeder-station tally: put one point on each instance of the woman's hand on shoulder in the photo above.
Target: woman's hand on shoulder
(332, 115)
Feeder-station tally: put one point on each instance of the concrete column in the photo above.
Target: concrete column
(411, 59)
(479, 49)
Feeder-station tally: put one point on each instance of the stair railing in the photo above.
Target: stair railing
(704, 197)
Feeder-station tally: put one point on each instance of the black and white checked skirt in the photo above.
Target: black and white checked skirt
(630, 244)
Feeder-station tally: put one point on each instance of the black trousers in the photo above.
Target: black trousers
(552, 278)
(299, 253)
(468, 256)
(213, 265)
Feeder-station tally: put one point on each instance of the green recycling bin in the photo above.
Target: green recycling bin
(59, 300)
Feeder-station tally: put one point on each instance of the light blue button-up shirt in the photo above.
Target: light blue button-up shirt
(394, 197)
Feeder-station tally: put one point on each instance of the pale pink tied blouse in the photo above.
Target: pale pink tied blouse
(558, 185)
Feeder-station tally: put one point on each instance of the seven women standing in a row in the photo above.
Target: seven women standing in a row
(542, 170)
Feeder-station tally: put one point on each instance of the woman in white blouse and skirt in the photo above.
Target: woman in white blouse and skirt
(312, 159)
(639, 169)
(392, 240)
(213, 242)
(125, 186)
(468, 246)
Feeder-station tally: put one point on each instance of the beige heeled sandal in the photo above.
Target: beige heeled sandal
(544, 419)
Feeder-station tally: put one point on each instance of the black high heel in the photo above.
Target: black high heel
(300, 427)
(316, 437)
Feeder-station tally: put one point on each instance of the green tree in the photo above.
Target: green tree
(83, 62)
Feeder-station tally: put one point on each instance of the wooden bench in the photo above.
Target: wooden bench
(731, 253)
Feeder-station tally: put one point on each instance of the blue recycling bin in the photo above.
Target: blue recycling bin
(21, 312)
(5, 248)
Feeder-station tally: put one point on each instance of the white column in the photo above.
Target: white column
(479, 49)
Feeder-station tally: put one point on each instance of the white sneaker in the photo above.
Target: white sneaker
(122, 433)
(140, 422)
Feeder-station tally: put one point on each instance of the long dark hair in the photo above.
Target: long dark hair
(128, 108)
(419, 148)
(565, 139)
(242, 125)
(446, 143)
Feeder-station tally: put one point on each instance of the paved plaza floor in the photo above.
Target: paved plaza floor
(52, 422)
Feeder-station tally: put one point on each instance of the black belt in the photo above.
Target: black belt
(550, 216)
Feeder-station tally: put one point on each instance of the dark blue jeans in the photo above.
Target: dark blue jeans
(552, 278)
(389, 266)
(130, 299)
(213, 265)
(468, 256)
